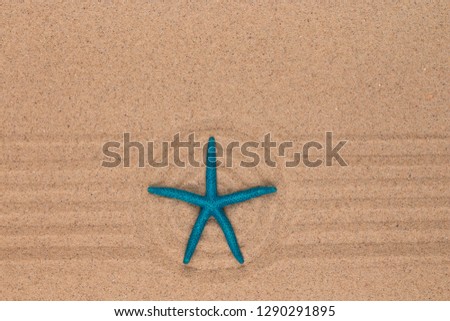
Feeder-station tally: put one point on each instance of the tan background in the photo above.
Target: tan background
(74, 76)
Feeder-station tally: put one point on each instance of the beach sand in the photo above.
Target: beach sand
(75, 76)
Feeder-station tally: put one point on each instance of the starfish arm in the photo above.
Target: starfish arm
(178, 194)
(211, 170)
(245, 195)
(196, 233)
(227, 228)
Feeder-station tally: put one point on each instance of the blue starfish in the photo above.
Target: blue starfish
(212, 204)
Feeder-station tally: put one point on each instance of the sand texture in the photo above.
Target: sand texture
(76, 75)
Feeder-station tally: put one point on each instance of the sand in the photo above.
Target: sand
(75, 76)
